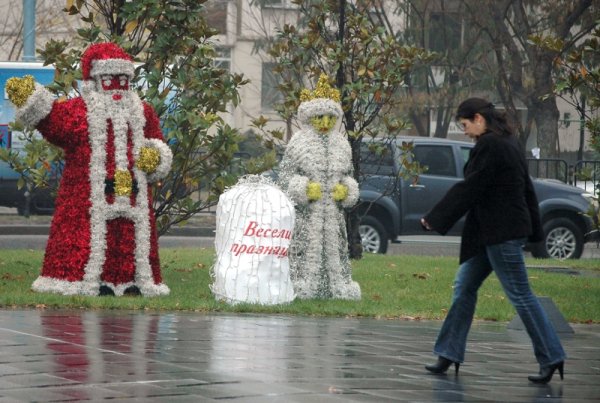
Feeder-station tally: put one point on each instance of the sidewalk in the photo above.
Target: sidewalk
(194, 357)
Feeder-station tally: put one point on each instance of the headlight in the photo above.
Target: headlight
(591, 199)
(594, 209)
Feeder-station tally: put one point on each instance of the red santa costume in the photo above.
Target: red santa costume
(102, 238)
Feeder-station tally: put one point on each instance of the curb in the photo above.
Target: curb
(45, 230)
(191, 231)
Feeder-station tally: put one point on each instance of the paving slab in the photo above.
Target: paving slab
(71, 355)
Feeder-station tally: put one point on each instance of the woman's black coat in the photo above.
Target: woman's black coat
(496, 194)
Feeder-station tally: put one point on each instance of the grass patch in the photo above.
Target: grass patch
(410, 287)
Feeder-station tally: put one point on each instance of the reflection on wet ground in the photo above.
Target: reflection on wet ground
(143, 356)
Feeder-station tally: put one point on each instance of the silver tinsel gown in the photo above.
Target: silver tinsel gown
(319, 262)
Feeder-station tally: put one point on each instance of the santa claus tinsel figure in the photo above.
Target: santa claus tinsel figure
(103, 237)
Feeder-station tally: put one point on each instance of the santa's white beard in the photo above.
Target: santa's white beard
(124, 114)
(117, 108)
(105, 103)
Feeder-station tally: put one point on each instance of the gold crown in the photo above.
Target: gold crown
(323, 90)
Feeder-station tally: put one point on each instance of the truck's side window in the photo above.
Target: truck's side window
(465, 151)
(376, 158)
(439, 160)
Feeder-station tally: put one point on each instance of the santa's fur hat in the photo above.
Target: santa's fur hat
(106, 59)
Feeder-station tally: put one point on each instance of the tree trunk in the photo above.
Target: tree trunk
(543, 107)
(546, 115)
(355, 249)
(352, 218)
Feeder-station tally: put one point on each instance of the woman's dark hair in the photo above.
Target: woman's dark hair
(496, 121)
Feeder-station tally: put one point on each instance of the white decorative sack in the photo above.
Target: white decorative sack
(254, 228)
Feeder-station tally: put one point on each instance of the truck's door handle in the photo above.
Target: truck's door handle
(416, 186)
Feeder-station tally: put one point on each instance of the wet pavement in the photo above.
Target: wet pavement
(56, 355)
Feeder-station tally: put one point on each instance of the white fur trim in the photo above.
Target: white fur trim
(297, 189)
(64, 287)
(166, 158)
(316, 107)
(87, 87)
(37, 107)
(147, 290)
(112, 67)
(353, 191)
(53, 285)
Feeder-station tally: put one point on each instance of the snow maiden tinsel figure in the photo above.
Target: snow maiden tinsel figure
(316, 172)
(102, 239)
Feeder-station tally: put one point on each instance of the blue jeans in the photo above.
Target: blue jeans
(506, 259)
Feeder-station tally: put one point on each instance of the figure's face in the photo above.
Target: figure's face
(473, 128)
(115, 82)
(323, 123)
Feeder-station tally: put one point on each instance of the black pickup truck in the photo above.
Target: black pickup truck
(391, 206)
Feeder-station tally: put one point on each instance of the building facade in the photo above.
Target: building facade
(242, 25)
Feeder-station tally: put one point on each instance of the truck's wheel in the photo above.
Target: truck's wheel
(562, 240)
(373, 235)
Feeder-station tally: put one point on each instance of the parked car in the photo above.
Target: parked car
(37, 202)
(391, 206)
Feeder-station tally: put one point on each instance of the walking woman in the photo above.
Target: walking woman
(498, 198)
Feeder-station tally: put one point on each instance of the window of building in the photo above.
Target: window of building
(223, 58)
(216, 15)
(445, 30)
(270, 95)
(277, 3)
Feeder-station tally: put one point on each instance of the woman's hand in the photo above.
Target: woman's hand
(426, 225)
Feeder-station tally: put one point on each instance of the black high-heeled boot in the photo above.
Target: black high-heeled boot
(546, 373)
(442, 365)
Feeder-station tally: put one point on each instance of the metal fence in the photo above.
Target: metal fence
(549, 168)
(587, 175)
(584, 174)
